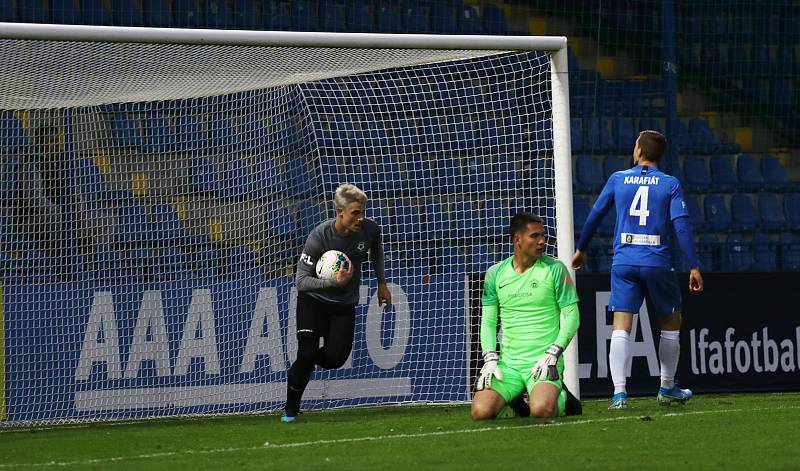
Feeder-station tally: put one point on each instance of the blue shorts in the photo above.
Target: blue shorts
(630, 285)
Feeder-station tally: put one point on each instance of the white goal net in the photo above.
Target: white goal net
(156, 197)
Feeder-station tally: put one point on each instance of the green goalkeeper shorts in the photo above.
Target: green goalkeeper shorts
(516, 381)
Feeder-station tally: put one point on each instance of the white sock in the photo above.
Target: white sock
(669, 350)
(618, 359)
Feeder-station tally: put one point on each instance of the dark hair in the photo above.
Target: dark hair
(653, 145)
(520, 221)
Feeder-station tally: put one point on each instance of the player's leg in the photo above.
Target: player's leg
(665, 298)
(627, 294)
(486, 404)
(489, 403)
(308, 335)
(546, 399)
(338, 342)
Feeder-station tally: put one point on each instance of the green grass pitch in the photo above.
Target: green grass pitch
(743, 431)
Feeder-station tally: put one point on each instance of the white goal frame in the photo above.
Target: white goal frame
(557, 46)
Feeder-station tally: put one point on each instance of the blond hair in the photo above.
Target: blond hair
(347, 194)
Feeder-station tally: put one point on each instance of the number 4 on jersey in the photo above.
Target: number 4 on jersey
(639, 205)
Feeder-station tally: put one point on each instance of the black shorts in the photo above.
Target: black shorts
(315, 318)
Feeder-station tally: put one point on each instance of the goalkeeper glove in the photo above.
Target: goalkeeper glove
(489, 369)
(545, 369)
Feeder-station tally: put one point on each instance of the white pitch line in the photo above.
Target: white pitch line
(269, 446)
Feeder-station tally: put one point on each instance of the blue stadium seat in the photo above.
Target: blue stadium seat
(241, 263)
(65, 12)
(389, 18)
(718, 218)
(8, 12)
(94, 12)
(244, 15)
(723, 178)
(30, 11)
(649, 124)
(750, 178)
(469, 19)
(157, 13)
(494, 20)
(405, 221)
(614, 163)
(308, 217)
(300, 181)
(708, 252)
(670, 164)
(580, 211)
(772, 216)
(703, 138)
(305, 15)
(203, 176)
(9, 171)
(608, 224)
(156, 134)
(743, 213)
(600, 256)
(333, 16)
(623, 133)
(237, 178)
(494, 218)
(476, 176)
(765, 254)
(220, 136)
(13, 137)
(696, 176)
(189, 135)
(444, 17)
(171, 264)
(357, 18)
(126, 13)
(683, 141)
(168, 230)
(791, 206)
(278, 222)
(737, 254)
(695, 213)
(420, 174)
(125, 130)
(588, 177)
(437, 225)
(480, 259)
(462, 214)
(92, 184)
(596, 136)
(576, 135)
(775, 178)
(448, 176)
(186, 14)
(107, 264)
(416, 18)
(790, 251)
(133, 229)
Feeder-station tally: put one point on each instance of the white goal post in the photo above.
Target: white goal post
(158, 184)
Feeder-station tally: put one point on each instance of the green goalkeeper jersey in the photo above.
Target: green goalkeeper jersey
(529, 305)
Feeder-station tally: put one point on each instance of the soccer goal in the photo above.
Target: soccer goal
(158, 185)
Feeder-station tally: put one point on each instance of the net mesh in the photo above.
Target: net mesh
(155, 201)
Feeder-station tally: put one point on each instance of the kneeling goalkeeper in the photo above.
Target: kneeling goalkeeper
(530, 290)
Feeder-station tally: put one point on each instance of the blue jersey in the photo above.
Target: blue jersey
(646, 201)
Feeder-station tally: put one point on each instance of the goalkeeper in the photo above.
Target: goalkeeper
(530, 290)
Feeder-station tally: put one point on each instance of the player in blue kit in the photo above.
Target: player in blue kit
(649, 204)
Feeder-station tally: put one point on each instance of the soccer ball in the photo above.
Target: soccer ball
(331, 262)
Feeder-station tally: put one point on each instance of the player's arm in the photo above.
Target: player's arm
(685, 237)
(306, 278)
(376, 257)
(490, 310)
(604, 202)
(567, 299)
